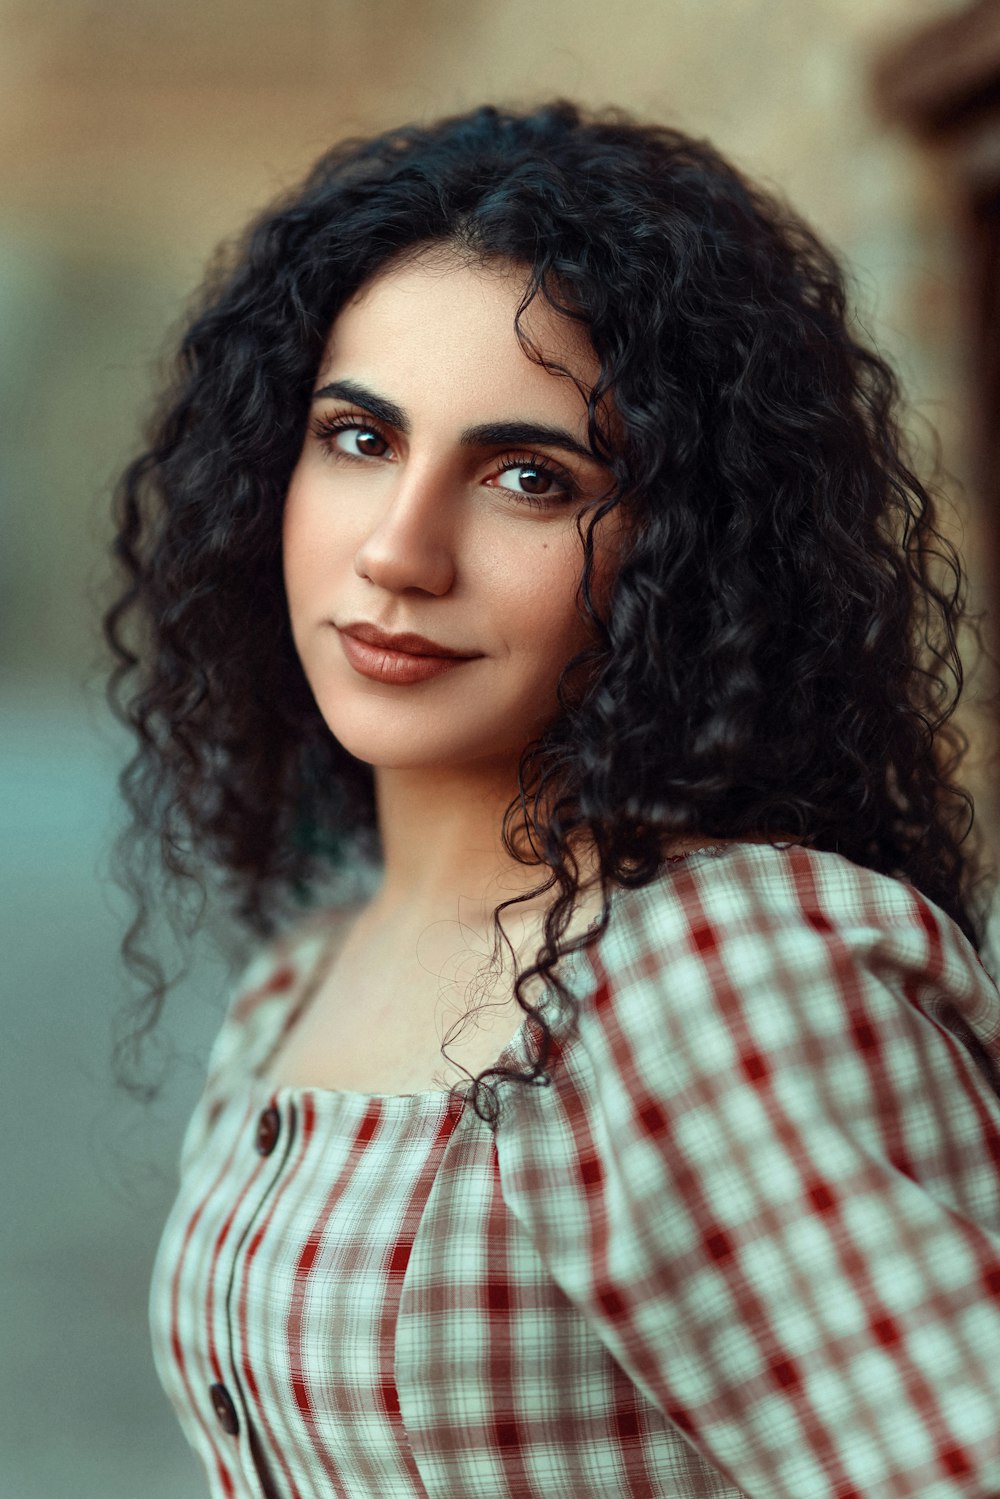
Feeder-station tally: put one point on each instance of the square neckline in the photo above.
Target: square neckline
(437, 1100)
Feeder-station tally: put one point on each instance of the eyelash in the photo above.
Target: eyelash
(325, 429)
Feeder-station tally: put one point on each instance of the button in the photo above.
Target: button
(224, 1409)
(268, 1129)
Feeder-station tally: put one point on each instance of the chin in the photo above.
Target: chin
(392, 743)
(425, 728)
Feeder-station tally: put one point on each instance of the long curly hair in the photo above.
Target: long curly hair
(778, 655)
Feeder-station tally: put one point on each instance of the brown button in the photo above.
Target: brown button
(268, 1129)
(224, 1409)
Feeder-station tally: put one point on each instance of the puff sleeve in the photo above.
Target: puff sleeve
(767, 1172)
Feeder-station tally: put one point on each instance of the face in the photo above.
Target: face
(431, 551)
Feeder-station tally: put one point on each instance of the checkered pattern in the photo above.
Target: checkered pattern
(746, 1243)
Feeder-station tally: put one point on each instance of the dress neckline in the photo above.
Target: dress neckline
(433, 1100)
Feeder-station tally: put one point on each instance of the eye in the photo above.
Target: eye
(531, 480)
(534, 480)
(350, 437)
(361, 441)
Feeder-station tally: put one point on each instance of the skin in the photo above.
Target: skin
(417, 531)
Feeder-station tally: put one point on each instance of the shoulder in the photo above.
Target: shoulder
(763, 952)
(767, 1138)
(779, 906)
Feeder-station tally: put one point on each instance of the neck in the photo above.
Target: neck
(442, 842)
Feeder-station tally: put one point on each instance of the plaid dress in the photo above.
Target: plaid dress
(746, 1242)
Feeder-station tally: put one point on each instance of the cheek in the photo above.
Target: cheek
(560, 627)
(562, 572)
(546, 614)
(313, 543)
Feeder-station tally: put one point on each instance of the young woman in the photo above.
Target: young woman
(528, 526)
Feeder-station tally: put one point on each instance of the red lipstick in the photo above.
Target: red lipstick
(397, 660)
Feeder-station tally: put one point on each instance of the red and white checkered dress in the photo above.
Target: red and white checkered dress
(747, 1242)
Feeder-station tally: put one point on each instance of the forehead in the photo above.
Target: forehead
(438, 319)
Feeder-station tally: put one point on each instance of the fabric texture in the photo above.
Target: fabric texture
(745, 1243)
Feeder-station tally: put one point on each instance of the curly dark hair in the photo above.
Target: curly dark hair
(779, 653)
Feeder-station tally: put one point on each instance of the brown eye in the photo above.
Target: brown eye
(361, 442)
(534, 480)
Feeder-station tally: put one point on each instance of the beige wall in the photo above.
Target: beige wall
(134, 137)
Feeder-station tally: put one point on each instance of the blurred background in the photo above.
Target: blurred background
(133, 138)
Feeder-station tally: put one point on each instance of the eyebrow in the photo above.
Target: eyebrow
(486, 435)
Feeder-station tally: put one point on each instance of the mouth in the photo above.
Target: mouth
(397, 660)
(405, 644)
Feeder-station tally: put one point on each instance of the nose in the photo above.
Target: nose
(411, 544)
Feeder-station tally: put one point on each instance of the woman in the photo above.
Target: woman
(527, 520)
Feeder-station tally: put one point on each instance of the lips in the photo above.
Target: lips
(396, 660)
(406, 644)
